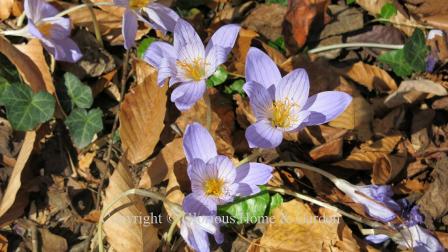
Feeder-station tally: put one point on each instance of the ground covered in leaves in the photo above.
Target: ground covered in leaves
(114, 129)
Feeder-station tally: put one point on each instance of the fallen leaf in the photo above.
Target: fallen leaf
(328, 152)
(124, 231)
(387, 167)
(6, 9)
(372, 77)
(267, 20)
(410, 90)
(52, 242)
(320, 134)
(242, 45)
(142, 115)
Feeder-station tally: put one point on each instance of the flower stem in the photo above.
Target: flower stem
(328, 175)
(96, 26)
(169, 235)
(348, 45)
(256, 153)
(81, 6)
(237, 75)
(325, 205)
(208, 121)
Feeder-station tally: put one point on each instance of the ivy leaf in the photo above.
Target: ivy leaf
(24, 109)
(80, 94)
(144, 45)
(219, 77)
(276, 201)
(388, 10)
(84, 125)
(247, 210)
(4, 84)
(236, 87)
(415, 51)
(396, 60)
(278, 44)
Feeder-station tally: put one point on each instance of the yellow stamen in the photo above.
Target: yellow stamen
(194, 70)
(214, 187)
(282, 116)
(45, 28)
(138, 4)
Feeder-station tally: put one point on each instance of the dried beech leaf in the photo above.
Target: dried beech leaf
(410, 90)
(372, 77)
(141, 119)
(386, 168)
(327, 152)
(123, 232)
(364, 157)
(297, 228)
(242, 46)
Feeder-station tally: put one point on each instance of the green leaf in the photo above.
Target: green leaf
(247, 210)
(350, 2)
(278, 44)
(395, 59)
(84, 125)
(281, 2)
(388, 10)
(24, 109)
(235, 87)
(80, 94)
(219, 77)
(276, 201)
(415, 51)
(4, 84)
(144, 45)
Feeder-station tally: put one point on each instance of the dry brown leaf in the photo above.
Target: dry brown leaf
(3, 244)
(6, 8)
(52, 242)
(297, 228)
(320, 134)
(174, 193)
(410, 90)
(328, 152)
(123, 230)
(13, 195)
(25, 65)
(142, 116)
(357, 117)
(372, 77)
(242, 46)
(364, 157)
(386, 168)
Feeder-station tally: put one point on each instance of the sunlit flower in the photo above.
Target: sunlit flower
(160, 17)
(187, 61)
(433, 56)
(214, 178)
(197, 224)
(282, 104)
(53, 32)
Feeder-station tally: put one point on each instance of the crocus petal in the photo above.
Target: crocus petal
(434, 33)
(198, 173)
(129, 28)
(198, 143)
(326, 106)
(420, 239)
(123, 3)
(157, 51)
(185, 34)
(36, 10)
(250, 176)
(162, 17)
(194, 236)
(64, 50)
(261, 69)
(187, 94)
(260, 99)
(60, 27)
(377, 239)
(294, 87)
(262, 135)
(221, 44)
(224, 168)
(166, 69)
(189, 55)
(198, 205)
(300, 117)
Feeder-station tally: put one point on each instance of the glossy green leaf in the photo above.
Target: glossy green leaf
(4, 84)
(388, 10)
(235, 88)
(395, 59)
(276, 201)
(79, 93)
(143, 46)
(25, 109)
(415, 51)
(84, 125)
(219, 77)
(247, 210)
(278, 44)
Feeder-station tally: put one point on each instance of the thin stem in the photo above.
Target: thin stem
(237, 75)
(401, 24)
(96, 25)
(256, 153)
(208, 121)
(169, 235)
(349, 45)
(325, 205)
(81, 6)
(328, 175)
(20, 19)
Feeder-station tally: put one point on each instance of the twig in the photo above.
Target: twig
(349, 45)
(328, 175)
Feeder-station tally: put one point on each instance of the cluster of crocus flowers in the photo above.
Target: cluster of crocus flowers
(160, 17)
(188, 62)
(282, 104)
(52, 31)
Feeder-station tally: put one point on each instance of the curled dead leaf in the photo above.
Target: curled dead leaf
(411, 90)
(386, 168)
(328, 152)
(372, 77)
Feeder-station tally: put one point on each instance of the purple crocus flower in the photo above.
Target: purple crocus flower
(187, 62)
(282, 104)
(433, 57)
(197, 224)
(376, 199)
(53, 32)
(214, 178)
(161, 18)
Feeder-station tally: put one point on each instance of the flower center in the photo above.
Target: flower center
(281, 113)
(214, 187)
(138, 4)
(45, 28)
(193, 70)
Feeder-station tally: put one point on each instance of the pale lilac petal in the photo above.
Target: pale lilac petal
(262, 135)
(261, 69)
(420, 240)
(36, 10)
(64, 50)
(194, 236)
(129, 28)
(299, 120)
(260, 99)
(219, 237)
(198, 205)
(224, 167)
(434, 33)
(162, 17)
(187, 94)
(198, 143)
(294, 87)
(243, 189)
(34, 32)
(377, 239)
(166, 69)
(197, 172)
(157, 51)
(123, 3)
(221, 44)
(61, 27)
(185, 34)
(253, 173)
(215, 57)
(189, 55)
(326, 106)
